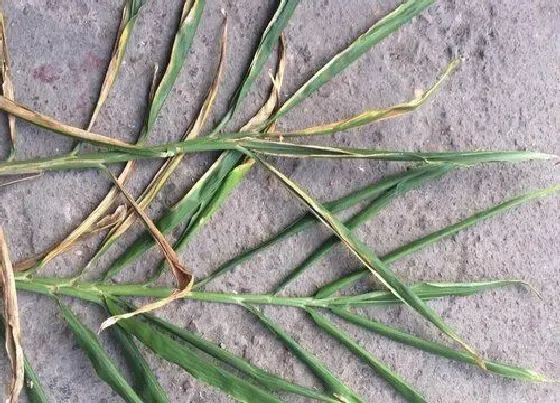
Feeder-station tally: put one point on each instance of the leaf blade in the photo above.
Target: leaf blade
(103, 365)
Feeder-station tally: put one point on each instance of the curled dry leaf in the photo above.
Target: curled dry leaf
(183, 275)
(13, 330)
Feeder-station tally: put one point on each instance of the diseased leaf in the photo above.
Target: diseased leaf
(172, 163)
(375, 34)
(158, 94)
(128, 20)
(103, 365)
(266, 45)
(366, 193)
(373, 115)
(360, 218)
(12, 327)
(234, 178)
(98, 214)
(181, 211)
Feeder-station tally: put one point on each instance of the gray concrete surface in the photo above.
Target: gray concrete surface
(505, 96)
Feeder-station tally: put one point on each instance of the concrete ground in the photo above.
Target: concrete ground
(504, 96)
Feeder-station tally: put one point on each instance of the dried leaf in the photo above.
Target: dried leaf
(183, 275)
(7, 82)
(13, 330)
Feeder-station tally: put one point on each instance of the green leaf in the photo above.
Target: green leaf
(191, 15)
(399, 336)
(433, 237)
(265, 378)
(329, 380)
(399, 384)
(103, 365)
(360, 218)
(144, 380)
(169, 166)
(32, 386)
(203, 215)
(375, 34)
(199, 367)
(379, 269)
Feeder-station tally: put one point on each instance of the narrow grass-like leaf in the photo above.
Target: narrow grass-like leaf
(183, 40)
(380, 368)
(373, 115)
(360, 218)
(7, 82)
(172, 163)
(190, 18)
(379, 269)
(265, 378)
(32, 386)
(144, 380)
(433, 237)
(49, 123)
(199, 367)
(376, 33)
(199, 199)
(399, 336)
(124, 32)
(102, 363)
(363, 194)
(202, 192)
(329, 380)
(13, 328)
